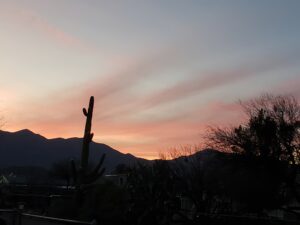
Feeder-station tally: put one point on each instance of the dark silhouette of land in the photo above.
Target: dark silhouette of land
(25, 148)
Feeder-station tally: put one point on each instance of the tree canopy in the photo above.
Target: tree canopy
(272, 130)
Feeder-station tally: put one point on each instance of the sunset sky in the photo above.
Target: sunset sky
(161, 71)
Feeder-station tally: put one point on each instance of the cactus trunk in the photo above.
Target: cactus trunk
(82, 176)
(87, 138)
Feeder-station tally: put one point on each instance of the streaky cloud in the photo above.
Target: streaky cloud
(199, 83)
(23, 16)
(203, 82)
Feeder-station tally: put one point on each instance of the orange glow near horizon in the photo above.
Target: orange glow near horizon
(145, 138)
(138, 144)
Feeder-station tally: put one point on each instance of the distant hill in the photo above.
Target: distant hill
(25, 148)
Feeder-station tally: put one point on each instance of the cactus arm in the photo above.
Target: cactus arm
(101, 172)
(91, 137)
(84, 111)
(92, 177)
(99, 164)
(95, 174)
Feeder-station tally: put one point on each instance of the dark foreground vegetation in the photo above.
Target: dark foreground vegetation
(253, 178)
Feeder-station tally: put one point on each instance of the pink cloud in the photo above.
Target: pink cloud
(113, 94)
(290, 86)
(203, 82)
(30, 19)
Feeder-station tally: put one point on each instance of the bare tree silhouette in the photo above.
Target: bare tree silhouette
(271, 134)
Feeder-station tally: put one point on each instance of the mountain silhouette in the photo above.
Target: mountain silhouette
(25, 148)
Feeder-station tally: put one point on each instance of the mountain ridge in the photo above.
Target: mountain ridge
(26, 148)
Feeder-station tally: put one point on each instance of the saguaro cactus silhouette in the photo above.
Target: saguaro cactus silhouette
(82, 176)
